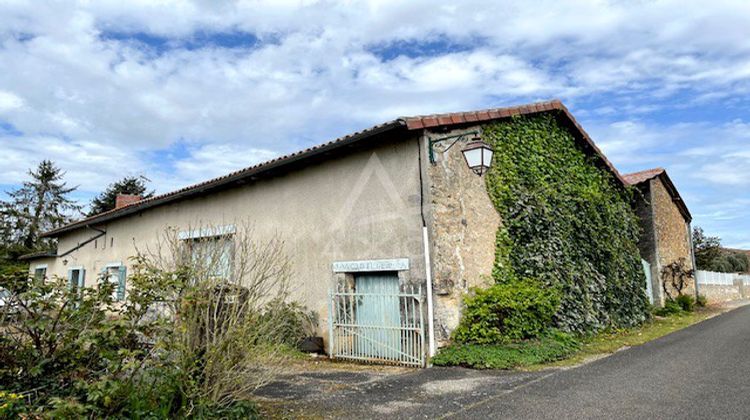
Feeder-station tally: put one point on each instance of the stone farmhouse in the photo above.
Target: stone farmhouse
(397, 214)
(666, 235)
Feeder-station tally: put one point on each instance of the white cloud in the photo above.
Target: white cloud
(709, 164)
(9, 101)
(210, 161)
(102, 105)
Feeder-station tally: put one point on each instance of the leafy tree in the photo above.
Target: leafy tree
(135, 185)
(41, 204)
(9, 251)
(707, 248)
(710, 256)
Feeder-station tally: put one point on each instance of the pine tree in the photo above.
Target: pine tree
(105, 201)
(41, 204)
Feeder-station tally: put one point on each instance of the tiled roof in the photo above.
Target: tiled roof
(637, 178)
(404, 123)
(437, 120)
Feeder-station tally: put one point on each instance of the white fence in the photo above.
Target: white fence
(721, 279)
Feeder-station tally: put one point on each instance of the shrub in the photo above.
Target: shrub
(701, 301)
(188, 341)
(670, 307)
(292, 321)
(686, 302)
(519, 309)
(552, 345)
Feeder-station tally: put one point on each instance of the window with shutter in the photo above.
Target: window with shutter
(116, 274)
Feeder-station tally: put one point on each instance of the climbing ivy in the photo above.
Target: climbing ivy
(566, 223)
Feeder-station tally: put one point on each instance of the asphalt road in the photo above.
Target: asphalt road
(701, 372)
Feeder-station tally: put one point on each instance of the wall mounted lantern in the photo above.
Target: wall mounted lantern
(478, 154)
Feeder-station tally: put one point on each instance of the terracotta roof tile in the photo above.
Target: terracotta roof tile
(636, 178)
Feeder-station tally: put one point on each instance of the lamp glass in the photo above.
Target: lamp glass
(478, 155)
(473, 157)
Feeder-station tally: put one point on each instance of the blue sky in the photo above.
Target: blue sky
(184, 91)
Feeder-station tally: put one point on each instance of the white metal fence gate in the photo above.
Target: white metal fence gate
(372, 321)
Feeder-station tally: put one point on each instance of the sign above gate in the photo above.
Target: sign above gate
(397, 264)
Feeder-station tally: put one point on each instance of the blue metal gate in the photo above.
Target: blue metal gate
(377, 320)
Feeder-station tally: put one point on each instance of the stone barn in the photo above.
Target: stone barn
(666, 235)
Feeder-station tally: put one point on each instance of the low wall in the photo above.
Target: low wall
(720, 293)
(723, 287)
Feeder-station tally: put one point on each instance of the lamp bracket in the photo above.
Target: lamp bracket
(455, 138)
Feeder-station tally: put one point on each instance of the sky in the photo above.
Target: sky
(184, 91)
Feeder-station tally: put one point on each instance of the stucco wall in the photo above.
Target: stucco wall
(463, 228)
(671, 230)
(364, 205)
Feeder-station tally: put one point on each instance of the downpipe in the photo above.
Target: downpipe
(430, 308)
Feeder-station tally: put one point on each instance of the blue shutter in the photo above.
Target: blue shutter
(81, 279)
(121, 284)
(70, 279)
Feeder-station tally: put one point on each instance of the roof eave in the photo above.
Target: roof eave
(676, 197)
(227, 179)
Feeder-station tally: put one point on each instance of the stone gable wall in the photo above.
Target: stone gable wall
(672, 241)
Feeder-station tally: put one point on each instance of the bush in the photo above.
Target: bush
(517, 310)
(701, 301)
(186, 343)
(293, 322)
(670, 307)
(686, 302)
(553, 345)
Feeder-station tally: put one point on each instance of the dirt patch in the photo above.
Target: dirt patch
(454, 385)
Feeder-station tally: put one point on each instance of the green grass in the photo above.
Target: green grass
(552, 346)
(609, 342)
(557, 349)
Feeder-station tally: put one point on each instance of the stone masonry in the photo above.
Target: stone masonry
(463, 232)
(672, 233)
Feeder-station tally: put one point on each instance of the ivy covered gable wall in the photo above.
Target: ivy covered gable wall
(566, 222)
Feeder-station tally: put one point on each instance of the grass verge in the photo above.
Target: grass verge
(552, 346)
(609, 342)
(558, 349)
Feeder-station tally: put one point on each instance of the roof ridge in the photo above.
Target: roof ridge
(553, 101)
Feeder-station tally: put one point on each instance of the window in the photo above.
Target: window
(212, 256)
(76, 278)
(116, 273)
(40, 272)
